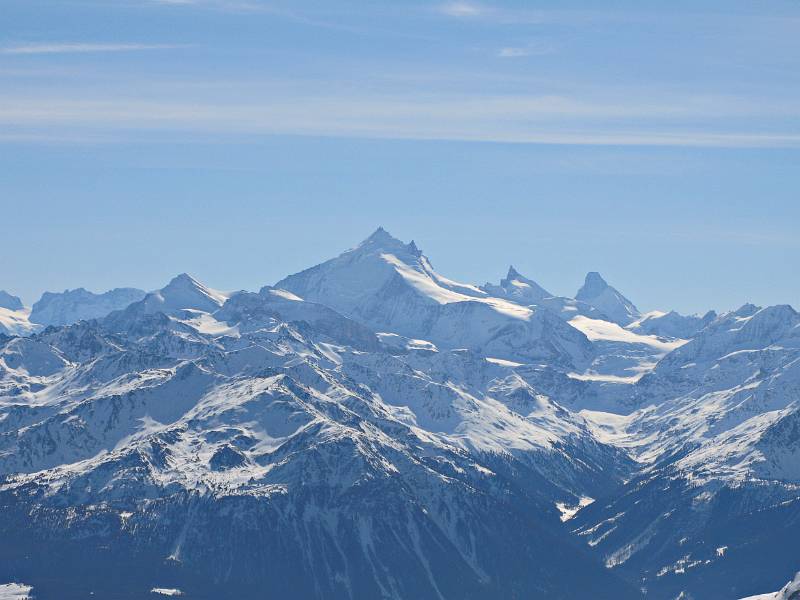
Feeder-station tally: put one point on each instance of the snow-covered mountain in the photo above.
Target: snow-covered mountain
(183, 293)
(718, 438)
(518, 288)
(671, 324)
(369, 428)
(597, 293)
(16, 322)
(392, 287)
(79, 304)
(14, 317)
(357, 471)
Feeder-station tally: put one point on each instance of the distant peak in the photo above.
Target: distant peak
(185, 292)
(10, 302)
(381, 235)
(747, 310)
(518, 287)
(382, 239)
(594, 278)
(183, 278)
(185, 282)
(593, 286)
(598, 293)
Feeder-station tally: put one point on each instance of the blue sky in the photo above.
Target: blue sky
(241, 140)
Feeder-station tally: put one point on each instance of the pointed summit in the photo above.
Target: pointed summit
(183, 279)
(518, 288)
(391, 287)
(381, 237)
(596, 292)
(385, 241)
(184, 292)
(346, 281)
(593, 286)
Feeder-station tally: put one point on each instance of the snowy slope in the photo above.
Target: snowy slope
(718, 436)
(79, 304)
(184, 292)
(15, 591)
(17, 322)
(391, 286)
(518, 288)
(342, 460)
(369, 428)
(14, 317)
(671, 324)
(596, 292)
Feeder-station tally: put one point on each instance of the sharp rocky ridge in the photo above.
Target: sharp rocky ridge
(369, 428)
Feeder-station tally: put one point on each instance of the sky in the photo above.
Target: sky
(243, 140)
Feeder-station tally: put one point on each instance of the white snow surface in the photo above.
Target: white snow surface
(166, 591)
(15, 591)
(568, 512)
(599, 330)
(17, 322)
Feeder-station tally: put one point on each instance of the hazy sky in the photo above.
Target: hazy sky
(242, 140)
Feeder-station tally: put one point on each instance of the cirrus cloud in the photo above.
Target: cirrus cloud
(462, 9)
(77, 48)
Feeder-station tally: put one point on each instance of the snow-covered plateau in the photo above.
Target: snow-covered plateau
(369, 428)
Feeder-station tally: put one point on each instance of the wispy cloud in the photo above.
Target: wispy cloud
(78, 48)
(512, 52)
(525, 120)
(462, 9)
(532, 49)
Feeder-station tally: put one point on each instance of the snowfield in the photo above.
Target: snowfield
(15, 591)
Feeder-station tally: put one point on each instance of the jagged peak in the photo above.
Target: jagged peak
(381, 236)
(593, 285)
(518, 287)
(383, 240)
(512, 273)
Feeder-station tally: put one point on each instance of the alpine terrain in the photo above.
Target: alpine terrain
(370, 429)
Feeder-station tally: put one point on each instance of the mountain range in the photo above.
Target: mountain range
(369, 428)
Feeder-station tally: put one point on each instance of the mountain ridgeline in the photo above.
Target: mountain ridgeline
(368, 428)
